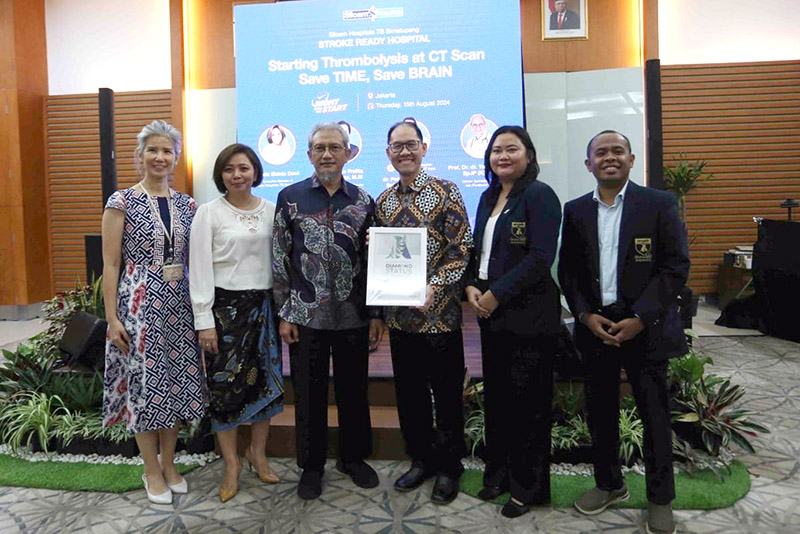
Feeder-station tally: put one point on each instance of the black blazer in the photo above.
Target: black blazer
(523, 250)
(652, 266)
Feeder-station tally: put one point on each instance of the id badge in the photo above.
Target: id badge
(173, 272)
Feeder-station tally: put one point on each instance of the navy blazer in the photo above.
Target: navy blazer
(523, 250)
(652, 266)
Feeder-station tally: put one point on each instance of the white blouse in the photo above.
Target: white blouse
(228, 248)
(486, 247)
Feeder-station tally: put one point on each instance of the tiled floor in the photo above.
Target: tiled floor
(768, 367)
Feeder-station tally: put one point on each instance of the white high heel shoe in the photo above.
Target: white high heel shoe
(181, 488)
(163, 498)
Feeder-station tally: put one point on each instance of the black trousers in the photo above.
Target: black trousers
(518, 396)
(310, 358)
(425, 364)
(648, 379)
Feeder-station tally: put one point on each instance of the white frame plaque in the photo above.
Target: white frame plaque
(397, 266)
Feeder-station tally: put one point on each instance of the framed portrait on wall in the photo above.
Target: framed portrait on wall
(397, 266)
(565, 19)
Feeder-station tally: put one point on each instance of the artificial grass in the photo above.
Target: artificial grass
(701, 491)
(79, 476)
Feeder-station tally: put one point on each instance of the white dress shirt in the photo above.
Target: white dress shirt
(608, 223)
(229, 248)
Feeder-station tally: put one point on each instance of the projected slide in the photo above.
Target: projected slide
(455, 66)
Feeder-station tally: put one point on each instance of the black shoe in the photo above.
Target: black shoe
(490, 493)
(445, 490)
(512, 509)
(310, 486)
(413, 478)
(362, 474)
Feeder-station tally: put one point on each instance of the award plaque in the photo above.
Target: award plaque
(397, 266)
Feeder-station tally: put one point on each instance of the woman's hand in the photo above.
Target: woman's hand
(208, 340)
(118, 335)
(473, 298)
(488, 303)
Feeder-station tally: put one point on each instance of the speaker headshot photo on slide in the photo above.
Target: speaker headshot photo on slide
(475, 135)
(277, 145)
(356, 141)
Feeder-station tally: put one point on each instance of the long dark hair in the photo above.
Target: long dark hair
(531, 171)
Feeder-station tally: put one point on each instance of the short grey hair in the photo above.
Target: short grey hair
(329, 126)
(161, 129)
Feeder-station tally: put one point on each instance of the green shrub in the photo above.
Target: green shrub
(26, 369)
(30, 414)
(79, 392)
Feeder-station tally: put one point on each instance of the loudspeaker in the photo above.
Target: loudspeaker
(655, 134)
(93, 244)
(108, 163)
(84, 340)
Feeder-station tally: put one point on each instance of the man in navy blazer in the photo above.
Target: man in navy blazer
(569, 19)
(623, 260)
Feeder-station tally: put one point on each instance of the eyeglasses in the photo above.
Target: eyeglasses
(412, 146)
(333, 149)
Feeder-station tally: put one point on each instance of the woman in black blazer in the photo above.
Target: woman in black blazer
(510, 287)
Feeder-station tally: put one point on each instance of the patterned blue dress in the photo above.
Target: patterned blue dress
(160, 380)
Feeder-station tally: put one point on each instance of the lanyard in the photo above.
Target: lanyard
(153, 203)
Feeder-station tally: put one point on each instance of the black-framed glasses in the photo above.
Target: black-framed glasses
(333, 149)
(412, 146)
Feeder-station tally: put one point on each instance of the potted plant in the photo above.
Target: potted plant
(681, 178)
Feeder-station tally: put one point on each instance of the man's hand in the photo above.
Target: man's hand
(488, 302)
(428, 299)
(376, 329)
(597, 324)
(208, 340)
(626, 329)
(288, 332)
(473, 298)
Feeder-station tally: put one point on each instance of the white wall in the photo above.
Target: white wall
(565, 110)
(120, 44)
(212, 127)
(728, 31)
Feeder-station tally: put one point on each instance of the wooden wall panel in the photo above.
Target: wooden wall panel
(73, 169)
(23, 83)
(744, 119)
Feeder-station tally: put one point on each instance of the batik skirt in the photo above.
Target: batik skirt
(245, 379)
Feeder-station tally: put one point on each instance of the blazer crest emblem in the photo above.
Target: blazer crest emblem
(644, 249)
(518, 233)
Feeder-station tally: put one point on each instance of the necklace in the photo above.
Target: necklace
(153, 203)
(251, 221)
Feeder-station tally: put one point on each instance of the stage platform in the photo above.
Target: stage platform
(380, 361)
(386, 437)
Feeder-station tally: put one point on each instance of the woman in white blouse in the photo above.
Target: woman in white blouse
(230, 281)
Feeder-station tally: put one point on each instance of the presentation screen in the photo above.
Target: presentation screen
(454, 66)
